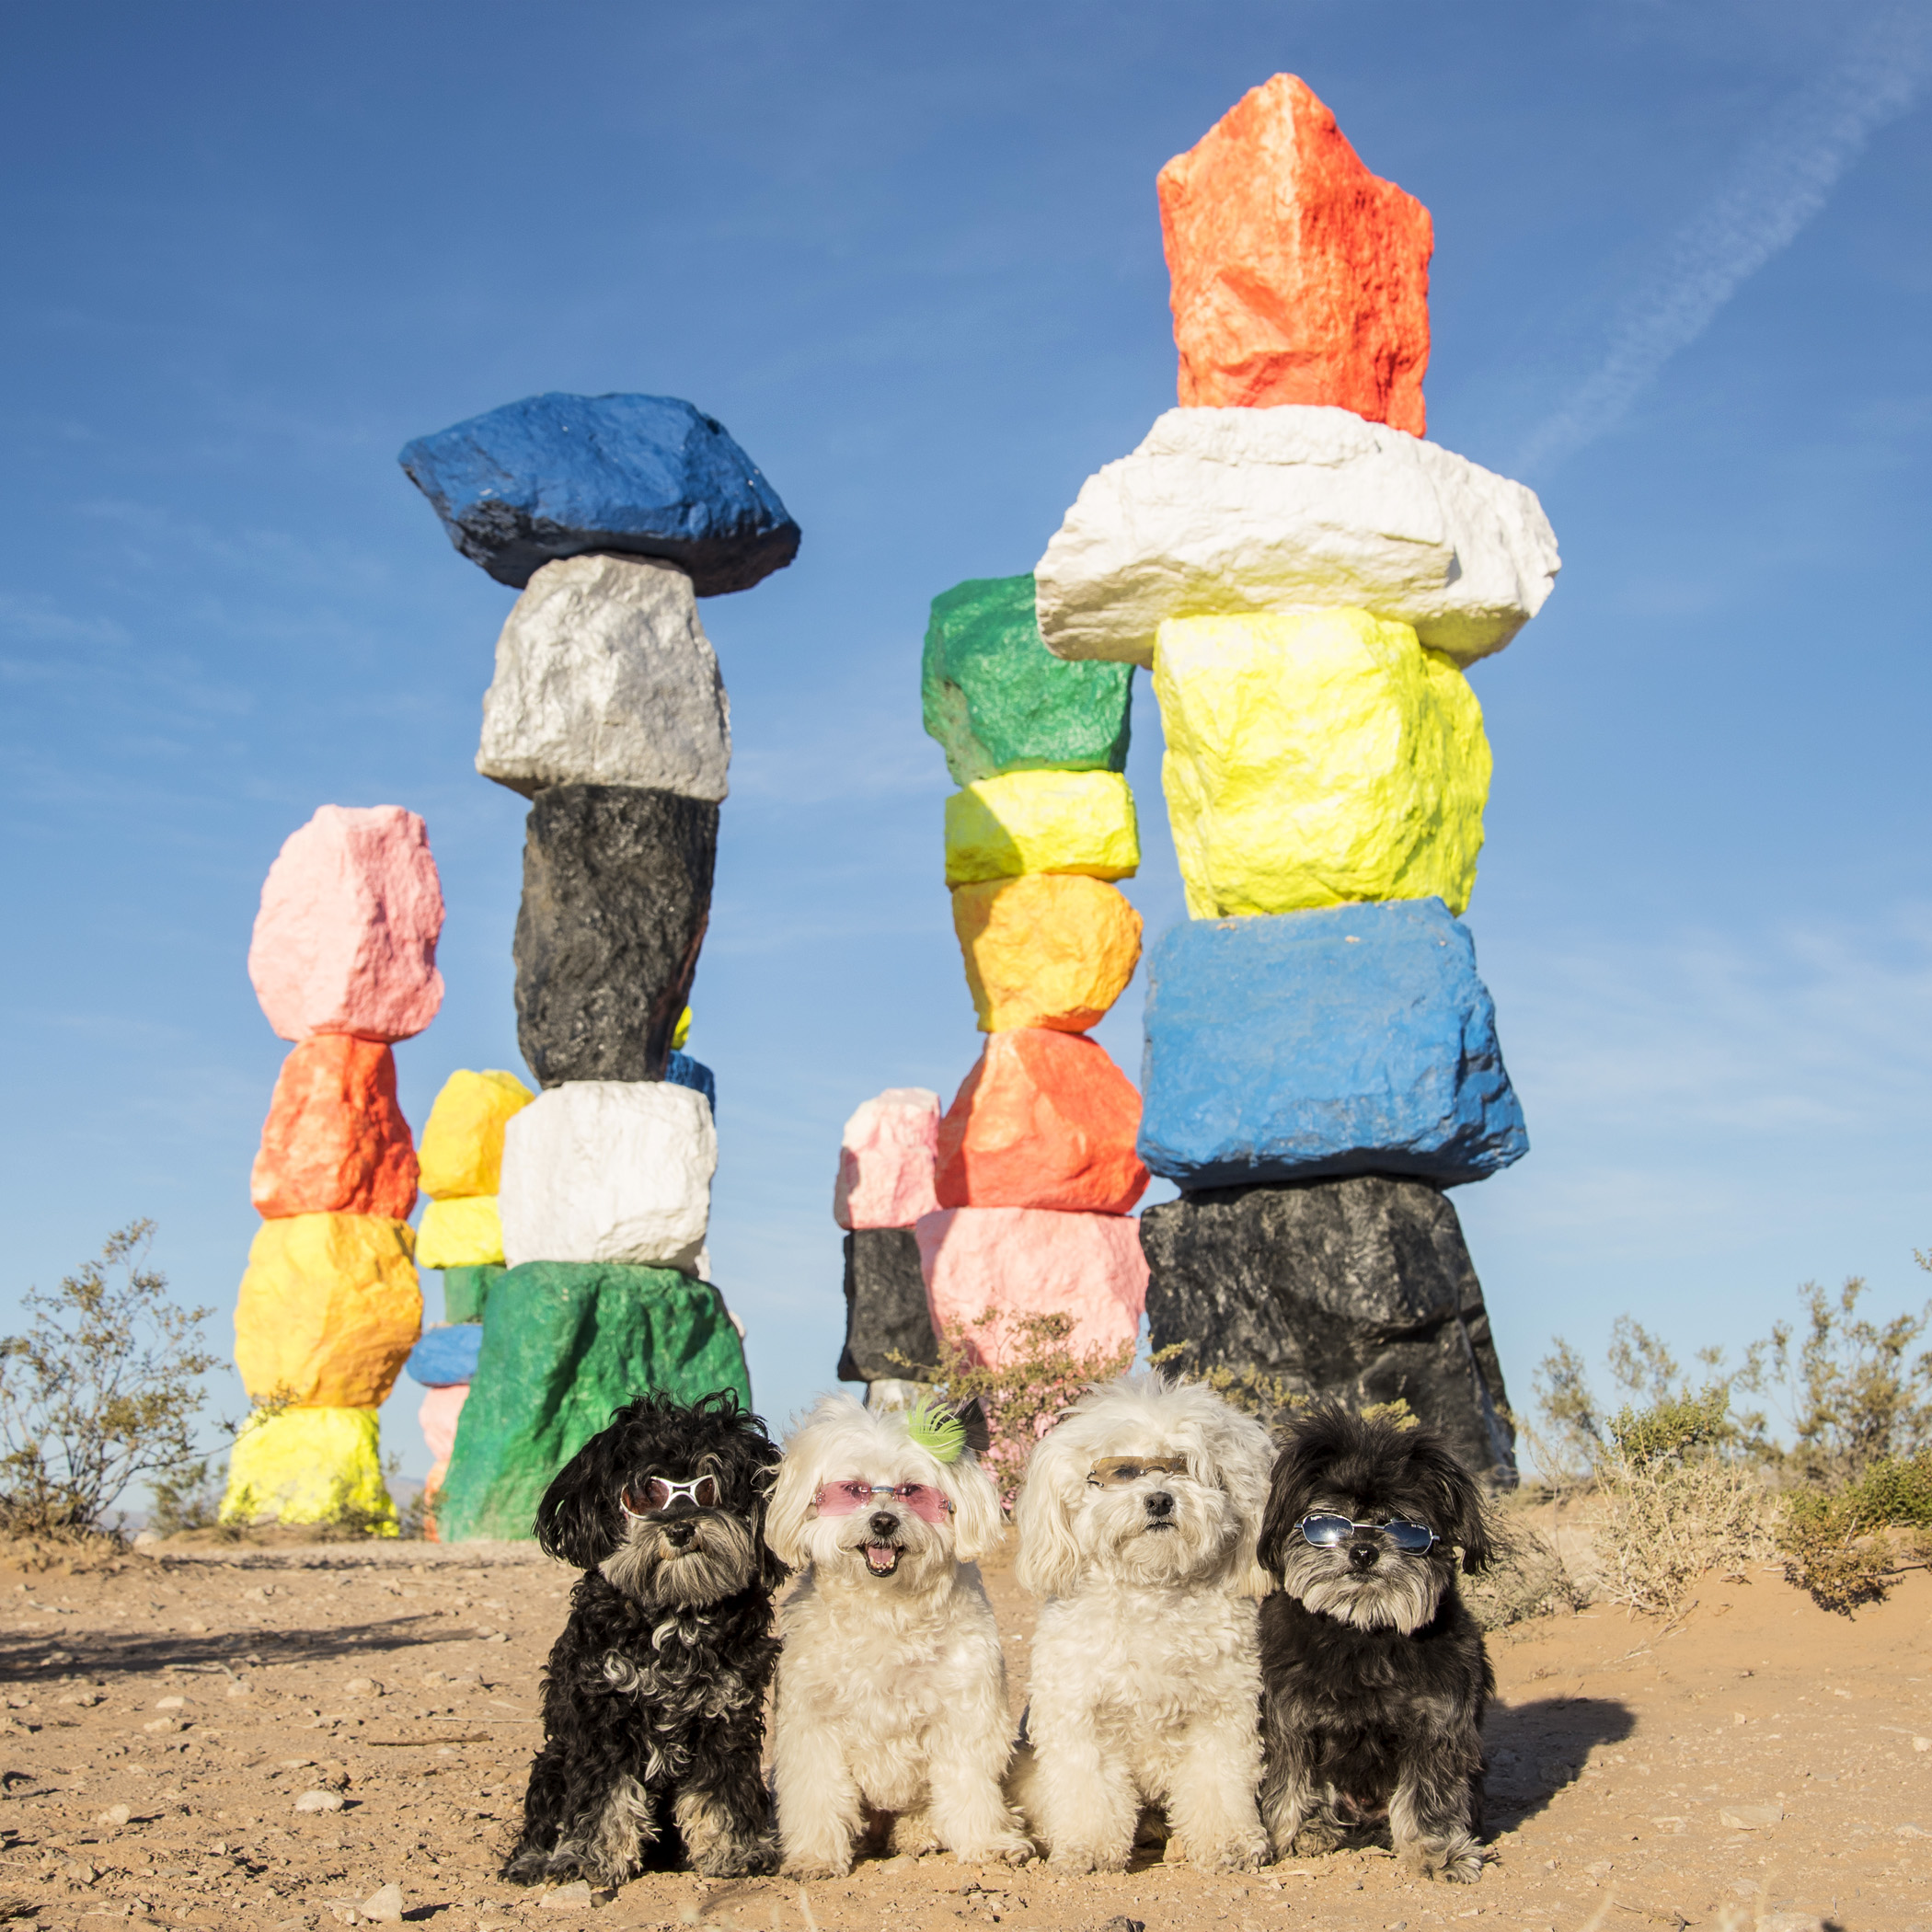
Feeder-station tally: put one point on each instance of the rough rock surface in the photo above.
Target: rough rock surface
(335, 1140)
(1045, 1120)
(886, 1315)
(1223, 511)
(1042, 822)
(1360, 1289)
(563, 1345)
(329, 1310)
(680, 1070)
(998, 700)
(1298, 276)
(345, 942)
(616, 892)
(1317, 760)
(647, 476)
(466, 1291)
(604, 676)
(307, 1465)
(462, 1150)
(464, 1232)
(609, 1170)
(1020, 1261)
(1046, 949)
(446, 1354)
(1354, 1041)
(885, 1160)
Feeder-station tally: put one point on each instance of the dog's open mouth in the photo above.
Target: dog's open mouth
(883, 1559)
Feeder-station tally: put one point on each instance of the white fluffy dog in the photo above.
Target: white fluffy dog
(891, 1688)
(1138, 1524)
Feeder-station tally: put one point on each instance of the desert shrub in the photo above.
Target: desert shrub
(1839, 1543)
(101, 1391)
(1525, 1577)
(189, 1498)
(1021, 1399)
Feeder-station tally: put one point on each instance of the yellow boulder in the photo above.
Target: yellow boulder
(309, 1466)
(329, 1310)
(1049, 950)
(464, 1233)
(1041, 822)
(1317, 760)
(462, 1150)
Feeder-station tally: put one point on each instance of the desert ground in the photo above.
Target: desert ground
(270, 1736)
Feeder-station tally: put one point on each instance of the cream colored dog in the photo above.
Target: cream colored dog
(891, 1688)
(1137, 1524)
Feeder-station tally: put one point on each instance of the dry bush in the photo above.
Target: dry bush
(1845, 1543)
(101, 1390)
(1527, 1576)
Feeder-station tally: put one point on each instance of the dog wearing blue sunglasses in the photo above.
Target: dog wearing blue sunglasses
(1374, 1677)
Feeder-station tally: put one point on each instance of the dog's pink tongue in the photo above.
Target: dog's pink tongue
(882, 1557)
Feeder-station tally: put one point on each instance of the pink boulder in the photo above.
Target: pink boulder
(886, 1159)
(438, 1414)
(345, 942)
(986, 1266)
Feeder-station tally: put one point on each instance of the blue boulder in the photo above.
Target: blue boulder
(445, 1355)
(647, 476)
(1356, 1040)
(680, 1070)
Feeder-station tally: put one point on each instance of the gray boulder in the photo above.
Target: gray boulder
(616, 894)
(1360, 1289)
(604, 676)
(886, 1312)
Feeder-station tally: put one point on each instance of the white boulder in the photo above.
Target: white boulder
(1221, 512)
(604, 676)
(609, 1170)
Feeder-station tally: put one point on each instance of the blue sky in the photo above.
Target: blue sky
(911, 258)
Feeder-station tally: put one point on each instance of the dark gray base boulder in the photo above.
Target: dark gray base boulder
(616, 892)
(886, 1313)
(1360, 1289)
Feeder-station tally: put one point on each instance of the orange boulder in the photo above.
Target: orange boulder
(335, 1142)
(1298, 276)
(1045, 949)
(1044, 1121)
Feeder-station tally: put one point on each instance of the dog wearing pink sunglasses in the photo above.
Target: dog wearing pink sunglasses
(891, 1725)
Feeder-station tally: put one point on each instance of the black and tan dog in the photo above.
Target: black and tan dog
(1374, 1674)
(654, 1694)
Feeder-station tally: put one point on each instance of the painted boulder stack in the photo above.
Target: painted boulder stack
(886, 1184)
(1032, 1172)
(612, 515)
(343, 960)
(1309, 581)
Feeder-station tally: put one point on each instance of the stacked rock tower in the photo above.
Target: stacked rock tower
(344, 961)
(612, 515)
(1018, 1202)
(1309, 581)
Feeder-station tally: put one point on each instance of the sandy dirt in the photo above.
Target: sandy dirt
(1756, 1762)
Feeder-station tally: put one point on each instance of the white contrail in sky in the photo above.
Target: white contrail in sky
(1779, 182)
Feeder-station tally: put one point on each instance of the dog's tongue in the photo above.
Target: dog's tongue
(883, 1559)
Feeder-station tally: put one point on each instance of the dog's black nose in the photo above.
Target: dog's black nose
(677, 1533)
(1365, 1555)
(883, 1523)
(1160, 1505)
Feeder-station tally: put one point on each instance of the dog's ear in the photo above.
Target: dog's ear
(761, 1454)
(1245, 1456)
(788, 1500)
(1050, 1561)
(977, 1526)
(1311, 1440)
(1458, 1514)
(575, 1522)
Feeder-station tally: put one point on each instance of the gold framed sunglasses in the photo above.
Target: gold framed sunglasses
(1117, 1472)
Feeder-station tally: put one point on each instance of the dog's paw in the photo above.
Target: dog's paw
(1312, 1841)
(802, 1866)
(752, 1859)
(1006, 1848)
(1455, 1861)
(1077, 1861)
(1244, 1854)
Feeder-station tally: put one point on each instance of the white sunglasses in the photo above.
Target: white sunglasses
(701, 1492)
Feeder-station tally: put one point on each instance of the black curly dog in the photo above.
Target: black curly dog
(1373, 1676)
(654, 1694)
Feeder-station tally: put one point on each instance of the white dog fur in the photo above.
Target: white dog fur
(1145, 1672)
(892, 1690)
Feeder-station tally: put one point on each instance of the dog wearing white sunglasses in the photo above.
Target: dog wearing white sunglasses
(891, 1724)
(1137, 1524)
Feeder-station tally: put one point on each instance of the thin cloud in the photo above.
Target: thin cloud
(1779, 182)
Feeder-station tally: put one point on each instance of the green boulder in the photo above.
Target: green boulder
(998, 700)
(466, 1291)
(565, 1343)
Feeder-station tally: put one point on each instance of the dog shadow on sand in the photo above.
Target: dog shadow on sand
(1536, 1749)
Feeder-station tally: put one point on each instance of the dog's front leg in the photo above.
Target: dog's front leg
(820, 1810)
(1211, 1799)
(1086, 1798)
(1288, 1787)
(967, 1759)
(1430, 1814)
